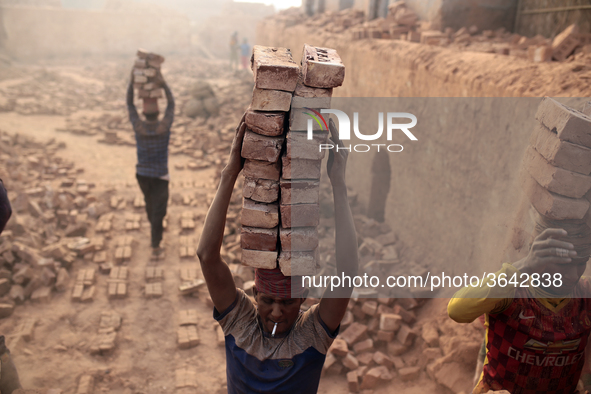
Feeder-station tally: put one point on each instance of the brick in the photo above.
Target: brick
(4, 286)
(365, 358)
(322, 67)
(121, 290)
(408, 317)
(27, 329)
(555, 179)
(339, 347)
(298, 263)
(374, 377)
(413, 36)
(409, 373)
(299, 147)
(300, 168)
(432, 37)
(396, 349)
(259, 259)
(274, 68)
(301, 215)
(406, 335)
(565, 42)
(154, 273)
(390, 322)
(310, 102)
(407, 303)
(110, 319)
(304, 91)
(86, 383)
(398, 362)
(299, 238)
(77, 292)
(569, 124)
(259, 215)
(540, 54)
(354, 333)
(153, 290)
(188, 274)
(265, 123)
(120, 273)
(104, 269)
(259, 238)
(385, 336)
(350, 362)
(262, 169)
(191, 287)
(261, 147)
(100, 257)
(188, 317)
(261, 190)
(553, 205)
(188, 337)
(560, 153)
(270, 100)
(300, 191)
(112, 290)
(6, 310)
(370, 308)
(299, 119)
(382, 359)
(353, 382)
(430, 335)
(88, 294)
(363, 346)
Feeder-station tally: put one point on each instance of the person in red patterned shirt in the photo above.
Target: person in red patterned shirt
(538, 318)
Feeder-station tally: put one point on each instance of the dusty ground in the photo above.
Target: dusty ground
(146, 359)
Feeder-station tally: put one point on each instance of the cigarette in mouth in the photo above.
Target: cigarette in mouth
(274, 329)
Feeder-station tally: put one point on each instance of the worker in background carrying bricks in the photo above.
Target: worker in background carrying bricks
(273, 347)
(152, 138)
(536, 336)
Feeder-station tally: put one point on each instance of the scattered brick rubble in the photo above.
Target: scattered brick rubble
(403, 24)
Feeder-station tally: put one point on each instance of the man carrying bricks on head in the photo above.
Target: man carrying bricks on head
(272, 347)
(152, 138)
(536, 336)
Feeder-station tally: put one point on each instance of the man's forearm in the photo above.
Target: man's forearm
(169, 98)
(215, 222)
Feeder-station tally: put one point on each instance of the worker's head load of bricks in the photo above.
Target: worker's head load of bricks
(272, 346)
(537, 308)
(148, 81)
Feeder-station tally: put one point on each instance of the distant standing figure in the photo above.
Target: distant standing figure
(234, 47)
(245, 53)
(152, 138)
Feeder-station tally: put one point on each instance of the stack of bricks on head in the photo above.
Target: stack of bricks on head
(280, 211)
(557, 167)
(145, 69)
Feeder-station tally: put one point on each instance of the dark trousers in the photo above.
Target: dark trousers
(156, 197)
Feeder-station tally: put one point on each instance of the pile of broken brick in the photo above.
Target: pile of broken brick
(403, 24)
(558, 168)
(46, 233)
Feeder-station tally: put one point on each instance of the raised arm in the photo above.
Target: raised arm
(133, 115)
(334, 302)
(216, 272)
(166, 122)
(494, 296)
